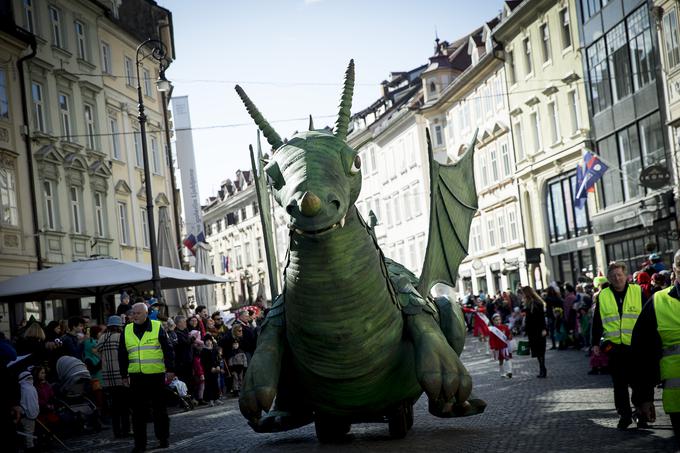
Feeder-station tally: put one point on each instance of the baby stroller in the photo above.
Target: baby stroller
(178, 395)
(76, 411)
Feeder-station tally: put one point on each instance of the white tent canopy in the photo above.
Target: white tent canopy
(95, 277)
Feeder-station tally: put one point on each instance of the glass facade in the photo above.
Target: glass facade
(565, 219)
(634, 250)
(576, 267)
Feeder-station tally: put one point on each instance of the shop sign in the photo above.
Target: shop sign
(655, 177)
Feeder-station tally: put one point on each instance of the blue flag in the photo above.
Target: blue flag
(200, 237)
(588, 172)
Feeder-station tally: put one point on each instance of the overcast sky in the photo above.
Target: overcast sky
(290, 57)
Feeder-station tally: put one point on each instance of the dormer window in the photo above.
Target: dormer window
(433, 87)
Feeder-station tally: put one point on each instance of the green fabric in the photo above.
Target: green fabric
(667, 310)
(453, 203)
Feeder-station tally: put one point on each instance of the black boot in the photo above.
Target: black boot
(542, 371)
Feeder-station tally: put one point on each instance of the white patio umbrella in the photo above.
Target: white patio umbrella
(175, 299)
(204, 295)
(95, 277)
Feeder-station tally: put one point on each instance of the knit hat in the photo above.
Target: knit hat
(114, 321)
(599, 280)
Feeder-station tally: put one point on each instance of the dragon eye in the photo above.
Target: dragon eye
(356, 165)
(274, 172)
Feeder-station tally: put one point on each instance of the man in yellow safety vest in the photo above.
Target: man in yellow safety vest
(656, 351)
(147, 358)
(617, 310)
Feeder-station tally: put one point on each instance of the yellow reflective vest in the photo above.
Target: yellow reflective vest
(667, 310)
(619, 328)
(145, 355)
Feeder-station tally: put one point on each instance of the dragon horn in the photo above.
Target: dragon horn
(311, 123)
(342, 124)
(272, 137)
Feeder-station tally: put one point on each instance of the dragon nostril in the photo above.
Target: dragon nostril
(290, 209)
(336, 203)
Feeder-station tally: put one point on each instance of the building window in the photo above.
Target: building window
(505, 159)
(397, 208)
(55, 21)
(388, 211)
(106, 58)
(574, 113)
(65, 116)
(29, 20)
(438, 137)
(500, 223)
(519, 139)
(89, 126)
(619, 62)
(483, 171)
(99, 214)
(598, 74)
(38, 106)
(76, 217)
(81, 40)
(641, 51)
(129, 72)
(565, 219)
(156, 160)
(545, 42)
(8, 197)
(433, 88)
(247, 250)
(512, 224)
(493, 157)
(50, 205)
(145, 227)
(671, 38)
(491, 232)
(147, 82)
(565, 28)
(4, 99)
(512, 77)
(526, 44)
(554, 122)
(115, 140)
(137, 143)
(591, 7)
(123, 223)
(535, 120)
(497, 83)
(476, 235)
(239, 257)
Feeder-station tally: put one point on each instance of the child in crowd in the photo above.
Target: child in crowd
(30, 408)
(199, 375)
(45, 391)
(211, 370)
(499, 342)
(238, 363)
(560, 328)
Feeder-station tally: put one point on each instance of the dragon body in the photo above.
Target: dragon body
(355, 336)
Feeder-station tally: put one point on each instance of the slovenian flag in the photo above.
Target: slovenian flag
(588, 172)
(200, 237)
(190, 242)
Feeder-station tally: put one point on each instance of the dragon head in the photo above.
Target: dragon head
(316, 176)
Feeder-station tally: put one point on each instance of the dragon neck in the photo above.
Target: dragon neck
(340, 266)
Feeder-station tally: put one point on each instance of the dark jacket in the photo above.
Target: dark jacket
(183, 353)
(535, 325)
(139, 329)
(71, 346)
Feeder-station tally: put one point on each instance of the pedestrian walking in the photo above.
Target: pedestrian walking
(147, 358)
(499, 342)
(553, 301)
(618, 307)
(536, 328)
(656, 353)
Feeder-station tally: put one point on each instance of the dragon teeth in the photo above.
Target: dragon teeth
(342, 222)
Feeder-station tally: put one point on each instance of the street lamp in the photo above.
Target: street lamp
(158, 53)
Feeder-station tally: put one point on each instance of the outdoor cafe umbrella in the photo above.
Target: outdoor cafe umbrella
(95, 277)
(175, 299)
(205, 296)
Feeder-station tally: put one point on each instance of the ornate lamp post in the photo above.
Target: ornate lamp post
(158, 53)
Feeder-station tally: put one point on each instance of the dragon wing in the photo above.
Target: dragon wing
(453, 203)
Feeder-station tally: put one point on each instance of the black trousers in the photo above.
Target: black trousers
(148, 390)
(118, 399)
(619, 368)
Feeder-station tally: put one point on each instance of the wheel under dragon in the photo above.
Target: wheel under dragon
(354, 336)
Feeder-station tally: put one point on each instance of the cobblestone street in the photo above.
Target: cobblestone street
(569, 411)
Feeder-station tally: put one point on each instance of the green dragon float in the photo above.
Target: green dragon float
(354, 336)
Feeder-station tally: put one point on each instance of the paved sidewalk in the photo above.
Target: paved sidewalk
(569, 411)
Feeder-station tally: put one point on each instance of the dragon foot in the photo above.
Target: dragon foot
(444, 409)
(276, 421)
